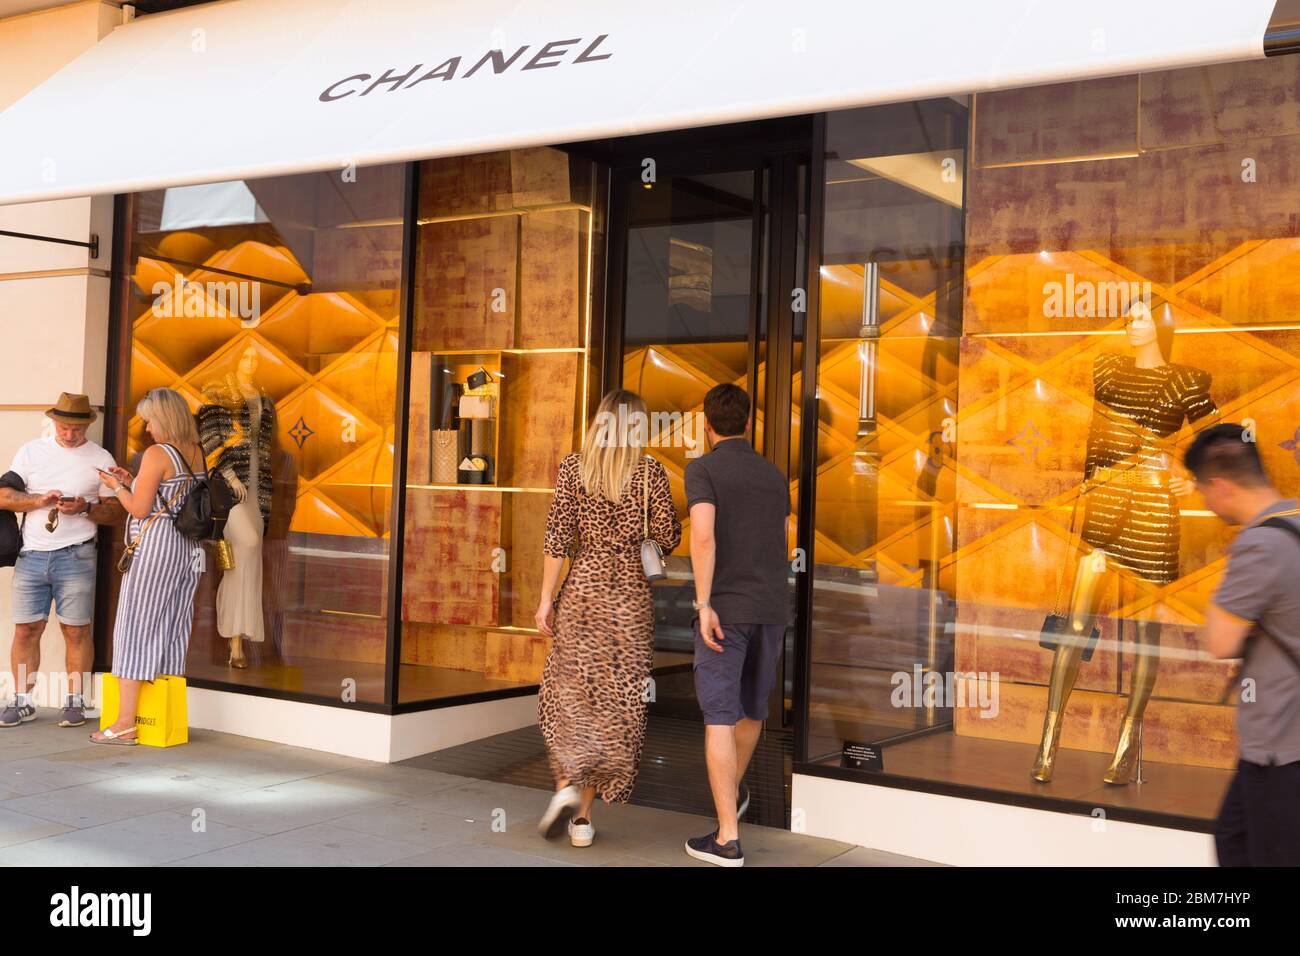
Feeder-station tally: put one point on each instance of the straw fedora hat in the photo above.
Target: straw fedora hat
(72, 409)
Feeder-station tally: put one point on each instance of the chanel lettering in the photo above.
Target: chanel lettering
(497, 61)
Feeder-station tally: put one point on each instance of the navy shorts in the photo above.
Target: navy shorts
(737, 682)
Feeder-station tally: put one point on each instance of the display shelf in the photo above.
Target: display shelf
(502, 279)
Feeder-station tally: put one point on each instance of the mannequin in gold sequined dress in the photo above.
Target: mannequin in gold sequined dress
(1130, 508)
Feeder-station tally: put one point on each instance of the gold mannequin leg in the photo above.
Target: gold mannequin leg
(1146, 662)
(1085, 596)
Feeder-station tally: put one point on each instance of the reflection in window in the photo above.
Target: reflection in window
(273, 306)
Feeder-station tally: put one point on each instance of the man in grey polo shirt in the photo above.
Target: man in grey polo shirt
(739, 504)
(1256, 616)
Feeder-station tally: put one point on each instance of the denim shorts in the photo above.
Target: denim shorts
(65, 577)
(737, 682)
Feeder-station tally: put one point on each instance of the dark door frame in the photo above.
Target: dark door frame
(775, 151)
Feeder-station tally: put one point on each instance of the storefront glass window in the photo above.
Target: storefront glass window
(1128, 280)
(273, 306)
(890, 279)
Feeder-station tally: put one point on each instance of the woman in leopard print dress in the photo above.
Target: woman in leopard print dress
(592, 704)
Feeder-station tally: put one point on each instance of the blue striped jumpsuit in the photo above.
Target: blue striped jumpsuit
(155, 608)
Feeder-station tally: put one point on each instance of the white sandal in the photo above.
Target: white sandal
(125, 739)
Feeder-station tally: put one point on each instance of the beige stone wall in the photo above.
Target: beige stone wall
(53, 299)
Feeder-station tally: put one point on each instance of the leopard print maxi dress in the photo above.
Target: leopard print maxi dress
(592, 703)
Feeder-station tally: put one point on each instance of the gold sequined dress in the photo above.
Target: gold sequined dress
(1129, 511)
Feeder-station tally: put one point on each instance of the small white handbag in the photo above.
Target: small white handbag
(652, 556)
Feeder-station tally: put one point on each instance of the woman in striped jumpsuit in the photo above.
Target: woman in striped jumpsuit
(155, 607)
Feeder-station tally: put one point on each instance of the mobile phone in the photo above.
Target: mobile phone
(67, 499)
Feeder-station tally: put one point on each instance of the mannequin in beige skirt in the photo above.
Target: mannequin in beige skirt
(236, 430)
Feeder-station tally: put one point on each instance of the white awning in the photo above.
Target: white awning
(251, 88)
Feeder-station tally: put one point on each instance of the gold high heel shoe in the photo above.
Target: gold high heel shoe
(1126, 753)
(1046, 761)
(240, 662)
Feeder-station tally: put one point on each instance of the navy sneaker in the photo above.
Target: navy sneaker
(16, 714)
(73, 715)
(709, 850)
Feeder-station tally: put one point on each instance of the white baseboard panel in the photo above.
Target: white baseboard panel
(352, 733)
(964, 832)
(427, 730)
(355, 733)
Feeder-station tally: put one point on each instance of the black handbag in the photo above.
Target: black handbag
(11, 537)
(1056, 624)
(206, 503)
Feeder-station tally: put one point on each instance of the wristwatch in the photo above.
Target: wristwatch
(698, 605)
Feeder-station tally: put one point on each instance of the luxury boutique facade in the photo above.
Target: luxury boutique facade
(977, 330)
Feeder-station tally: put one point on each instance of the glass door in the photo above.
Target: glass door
(703, 256)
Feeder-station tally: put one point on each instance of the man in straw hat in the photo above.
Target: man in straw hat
(56, 477)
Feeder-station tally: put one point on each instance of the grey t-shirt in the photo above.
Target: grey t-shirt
(750, 574)
(1260, 587)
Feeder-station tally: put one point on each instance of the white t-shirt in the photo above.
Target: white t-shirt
(45, 465)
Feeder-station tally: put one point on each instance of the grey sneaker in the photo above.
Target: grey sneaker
(74, 715)
(15, 714)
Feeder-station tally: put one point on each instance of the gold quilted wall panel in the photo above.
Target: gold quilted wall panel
(326, 360)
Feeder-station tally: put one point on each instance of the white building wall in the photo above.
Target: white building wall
(53, 298)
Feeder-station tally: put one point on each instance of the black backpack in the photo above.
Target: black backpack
(11, 537)
(206, 503)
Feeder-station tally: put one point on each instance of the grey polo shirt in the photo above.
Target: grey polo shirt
(1260, 586)
(751, 569)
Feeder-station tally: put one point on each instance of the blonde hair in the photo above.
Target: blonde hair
(171, 414)
(614, 445)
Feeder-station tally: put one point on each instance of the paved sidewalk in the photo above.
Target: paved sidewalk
(222, 800)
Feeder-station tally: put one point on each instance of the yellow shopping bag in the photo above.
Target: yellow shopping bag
(161, 720)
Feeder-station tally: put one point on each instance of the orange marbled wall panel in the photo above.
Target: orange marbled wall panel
(448, 574)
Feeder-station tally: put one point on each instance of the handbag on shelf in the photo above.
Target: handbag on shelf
(445, 455)
(1057, 624)
(652, 556)
(477, 406)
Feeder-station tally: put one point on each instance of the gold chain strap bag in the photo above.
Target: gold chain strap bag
(652, 556)
(124, 562)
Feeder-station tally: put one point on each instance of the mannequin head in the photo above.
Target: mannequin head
(248, 365)
(1142, 328)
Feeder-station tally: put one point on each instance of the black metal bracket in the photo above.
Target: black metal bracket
(92, 245)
